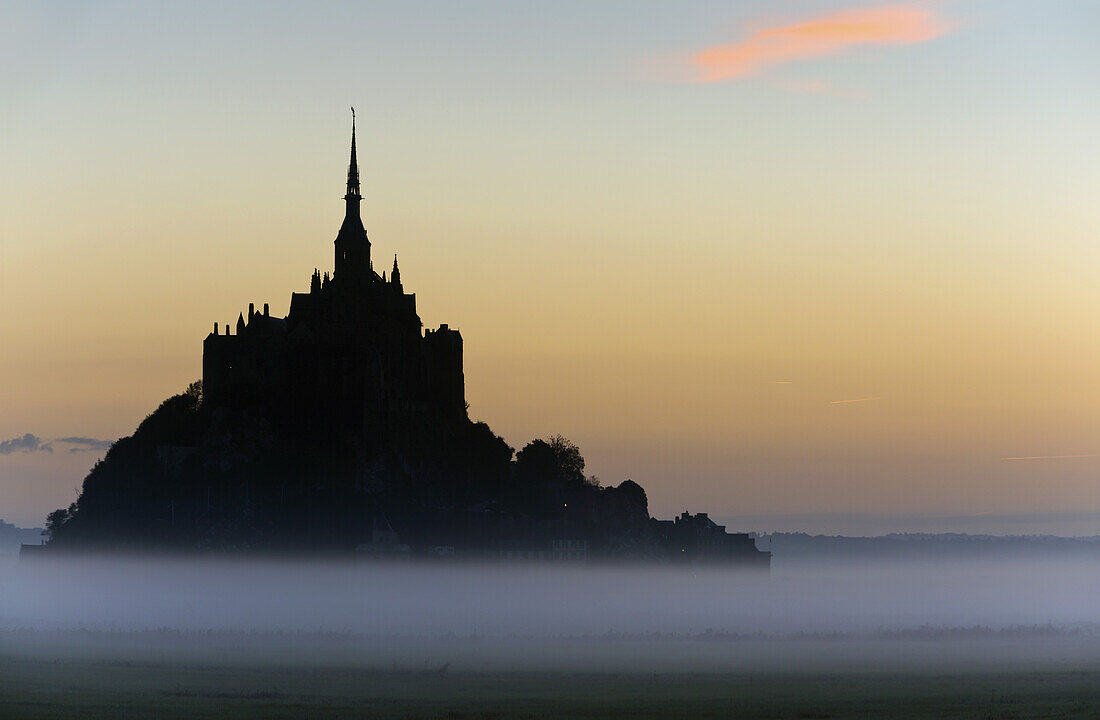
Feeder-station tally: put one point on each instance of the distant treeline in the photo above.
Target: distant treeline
(802, 546)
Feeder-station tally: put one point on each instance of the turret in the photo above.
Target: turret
(443, 362)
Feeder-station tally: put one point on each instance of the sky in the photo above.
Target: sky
(795, 261)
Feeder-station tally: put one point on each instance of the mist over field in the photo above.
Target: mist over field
(433, 600)
(261, 638)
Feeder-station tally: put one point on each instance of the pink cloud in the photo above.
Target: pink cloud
(903, 24)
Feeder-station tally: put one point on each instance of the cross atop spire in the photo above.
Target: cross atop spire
(353, 166)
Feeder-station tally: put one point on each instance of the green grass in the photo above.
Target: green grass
(170, 674)
(35, 687)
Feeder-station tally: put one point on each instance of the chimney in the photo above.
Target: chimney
(215, 328)
(266, 311)
(251, 310)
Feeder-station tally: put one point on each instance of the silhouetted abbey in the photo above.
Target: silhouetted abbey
(354, 340)
(343, 428)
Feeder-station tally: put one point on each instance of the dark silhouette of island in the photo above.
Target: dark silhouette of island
(342, 428)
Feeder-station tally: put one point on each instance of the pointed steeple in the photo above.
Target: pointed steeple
(395, 276)
(353, 166)
(352, 245)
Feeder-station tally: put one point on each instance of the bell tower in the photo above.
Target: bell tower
(352, 245)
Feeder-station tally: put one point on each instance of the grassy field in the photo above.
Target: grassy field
(229, 679)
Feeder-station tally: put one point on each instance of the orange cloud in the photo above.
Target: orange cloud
(904, 24)
(854, 400)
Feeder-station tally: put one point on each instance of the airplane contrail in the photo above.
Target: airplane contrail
(855, 400)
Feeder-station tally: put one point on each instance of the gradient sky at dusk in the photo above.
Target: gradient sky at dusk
(679, 234)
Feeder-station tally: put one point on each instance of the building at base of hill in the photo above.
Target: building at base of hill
(699, 540)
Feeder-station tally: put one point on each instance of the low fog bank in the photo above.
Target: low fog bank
(505, 601)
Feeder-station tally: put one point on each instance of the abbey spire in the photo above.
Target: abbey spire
(352, 245)
(353, 169)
